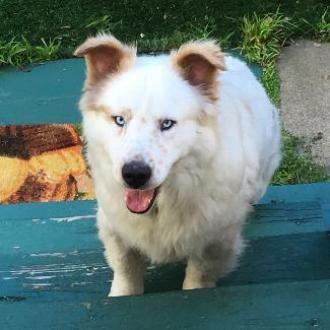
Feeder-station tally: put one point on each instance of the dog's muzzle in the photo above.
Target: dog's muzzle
(136, 175)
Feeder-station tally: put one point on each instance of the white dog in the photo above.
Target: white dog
(180, 146)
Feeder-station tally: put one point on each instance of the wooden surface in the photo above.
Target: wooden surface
(42, 94)
(47, 93)
(53, 274)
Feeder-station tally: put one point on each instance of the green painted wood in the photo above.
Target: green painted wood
(52, 269)
(294, 306)
(47, 93)
(64, 209)
(283, 218)
(298, 193)
(41, 94)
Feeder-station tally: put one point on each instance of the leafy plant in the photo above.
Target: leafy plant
(47, 51)
(321, 28)
(262, 37)
(271, 81)
(18, 53)
(12, 53)
(101, 24)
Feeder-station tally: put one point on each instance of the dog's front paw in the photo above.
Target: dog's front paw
(122, 287)
(191, 284)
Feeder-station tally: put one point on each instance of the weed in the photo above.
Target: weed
(262, 37)
(12, 53)
(321, 28)
(47, 51)
(271, 81)
(18, 53)
(101, 24)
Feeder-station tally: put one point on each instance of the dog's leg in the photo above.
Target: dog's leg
(128, 268)
(128, 265)
(218, 259)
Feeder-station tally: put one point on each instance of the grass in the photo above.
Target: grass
(322, 27)
(263, 37)
(20, 52)
(262, 40)
(319, 29)
(258, 28)
(154, 24)
(297, 164)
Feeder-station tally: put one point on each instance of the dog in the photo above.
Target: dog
(180, 147)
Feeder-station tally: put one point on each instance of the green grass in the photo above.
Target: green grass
(20, 52)
(297, 164)
(262, 40)
(319, 29)
(155, 25)
(271, 81)
(139, 20)
(263, 37)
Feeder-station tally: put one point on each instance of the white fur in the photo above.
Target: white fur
(209, 174)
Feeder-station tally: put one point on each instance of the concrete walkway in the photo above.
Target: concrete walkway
(305, 95)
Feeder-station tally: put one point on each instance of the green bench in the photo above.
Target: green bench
(53, 274)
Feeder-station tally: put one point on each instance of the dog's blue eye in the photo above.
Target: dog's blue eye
(119, 120)
(166, 124)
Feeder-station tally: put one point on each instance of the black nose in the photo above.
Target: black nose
(136, 174)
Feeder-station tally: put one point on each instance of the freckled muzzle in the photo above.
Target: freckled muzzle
(136, 175)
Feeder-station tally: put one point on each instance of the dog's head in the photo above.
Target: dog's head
(148, 113)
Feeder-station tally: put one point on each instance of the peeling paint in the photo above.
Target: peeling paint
(54, 254)
(45, 277)
(75, 218)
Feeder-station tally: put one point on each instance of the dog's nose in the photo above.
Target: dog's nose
(136, 173)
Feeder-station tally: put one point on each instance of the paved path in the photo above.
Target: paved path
(305, 95)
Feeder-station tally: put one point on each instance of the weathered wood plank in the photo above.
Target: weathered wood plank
(294, 305)
(283, 218)
(53, 275)
(59, 254)
(42, 94)
(298, 193)
(65, 209)
(49, 225)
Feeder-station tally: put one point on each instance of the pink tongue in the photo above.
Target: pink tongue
(138, 201)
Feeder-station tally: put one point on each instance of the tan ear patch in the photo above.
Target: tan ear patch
(105, 55)
(199, 63)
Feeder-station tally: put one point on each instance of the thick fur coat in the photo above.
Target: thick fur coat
(210, 137)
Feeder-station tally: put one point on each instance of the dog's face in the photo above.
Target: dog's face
(147, 116)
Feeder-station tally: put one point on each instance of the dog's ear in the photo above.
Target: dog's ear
(199, 63)
(105, 55)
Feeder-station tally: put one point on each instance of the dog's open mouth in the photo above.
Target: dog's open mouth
(140, 201)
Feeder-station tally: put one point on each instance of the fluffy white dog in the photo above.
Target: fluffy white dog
(179, 146)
